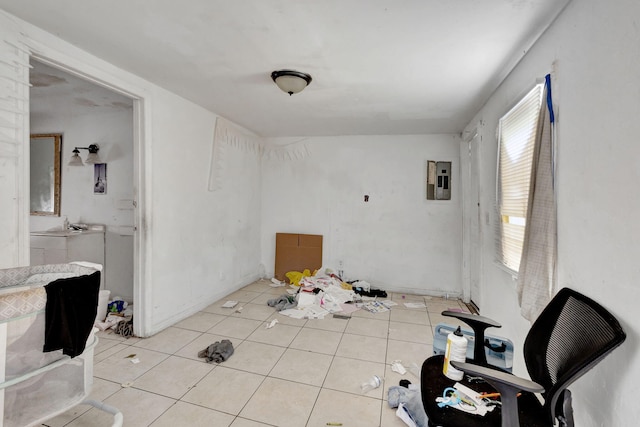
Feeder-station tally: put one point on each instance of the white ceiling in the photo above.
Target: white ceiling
(55, 92)
(378, 66)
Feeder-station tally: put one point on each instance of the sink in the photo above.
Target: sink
(57, 233)
(64, 233)
(60, 232)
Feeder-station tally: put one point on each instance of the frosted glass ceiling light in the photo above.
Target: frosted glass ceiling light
(91, 158)
(291, 81)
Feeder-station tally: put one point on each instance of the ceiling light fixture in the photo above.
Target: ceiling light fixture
(91, 158)
(291, 81)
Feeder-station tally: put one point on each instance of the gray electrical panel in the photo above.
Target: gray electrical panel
(438, 180)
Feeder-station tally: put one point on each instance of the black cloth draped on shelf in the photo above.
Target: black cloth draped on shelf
(70, 312)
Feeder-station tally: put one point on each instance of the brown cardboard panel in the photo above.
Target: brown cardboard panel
(286, 247)
(310, 241)
(286, 239)
(297, 252)
(310, 258)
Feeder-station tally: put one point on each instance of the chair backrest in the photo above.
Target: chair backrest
(571, 335)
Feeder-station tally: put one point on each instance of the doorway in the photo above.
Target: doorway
(86, 114)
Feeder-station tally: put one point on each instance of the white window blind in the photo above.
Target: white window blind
(517, 133)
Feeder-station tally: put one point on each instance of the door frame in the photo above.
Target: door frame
(141, 171)
(471, 232)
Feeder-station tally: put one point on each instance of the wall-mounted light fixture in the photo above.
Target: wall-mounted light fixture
(291, 81)
(91, 158)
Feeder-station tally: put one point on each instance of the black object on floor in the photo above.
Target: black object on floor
(370, 293)
(405, 383)
(125, 328)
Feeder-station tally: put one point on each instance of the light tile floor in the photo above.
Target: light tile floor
(298, 373)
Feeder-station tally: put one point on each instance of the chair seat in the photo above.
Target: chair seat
(433, 382)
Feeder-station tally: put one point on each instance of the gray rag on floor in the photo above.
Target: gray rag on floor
(217, 352)
(283, 302)
(412, 403)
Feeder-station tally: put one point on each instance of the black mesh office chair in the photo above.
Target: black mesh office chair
(571, 335)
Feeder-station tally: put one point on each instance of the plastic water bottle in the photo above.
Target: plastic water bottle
(373, 382)
(457, 352)
(414, 369)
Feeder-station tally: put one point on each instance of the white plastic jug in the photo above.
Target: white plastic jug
(103, 301)
(457, 352)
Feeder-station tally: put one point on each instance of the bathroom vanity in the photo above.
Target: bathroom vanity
(62, 246)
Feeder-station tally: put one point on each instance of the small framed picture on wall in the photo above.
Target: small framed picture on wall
(100, 178)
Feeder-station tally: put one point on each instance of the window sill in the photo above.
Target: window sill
(512, 273)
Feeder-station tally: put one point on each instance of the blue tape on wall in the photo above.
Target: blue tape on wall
(547, 79)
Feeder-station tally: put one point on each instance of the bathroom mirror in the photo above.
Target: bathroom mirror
(45, 174)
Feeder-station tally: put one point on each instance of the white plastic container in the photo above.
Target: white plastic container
(103, 302)
(456, 352)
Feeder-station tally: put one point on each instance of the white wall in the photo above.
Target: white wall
(113, 132)
(396, 241)
(14, 152)
(194, 246)
(206, 244)
(597, 93)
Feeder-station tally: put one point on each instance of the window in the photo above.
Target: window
(517, 133)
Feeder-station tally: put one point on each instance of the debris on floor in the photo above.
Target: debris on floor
(371, 384)
(275, 283)
(363, 288)
(112, 320)
(283, 302)
(404, 414)
(324, 293)
(124, 327)
(414, 369)
(217, 352)
(341, 316)
(415, 305)
(229, 304)
(377, 306)
(117, 305)
(272, 323)
(396, 366)
(306, 312)
(296, 276)
(347, 309)
(409, 404)
(119, 318)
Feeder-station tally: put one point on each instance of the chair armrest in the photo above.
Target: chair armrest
(472, 318)
(478, 324)
(507, 384)
(495, 376)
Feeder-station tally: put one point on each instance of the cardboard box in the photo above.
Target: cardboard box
(297, 252)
